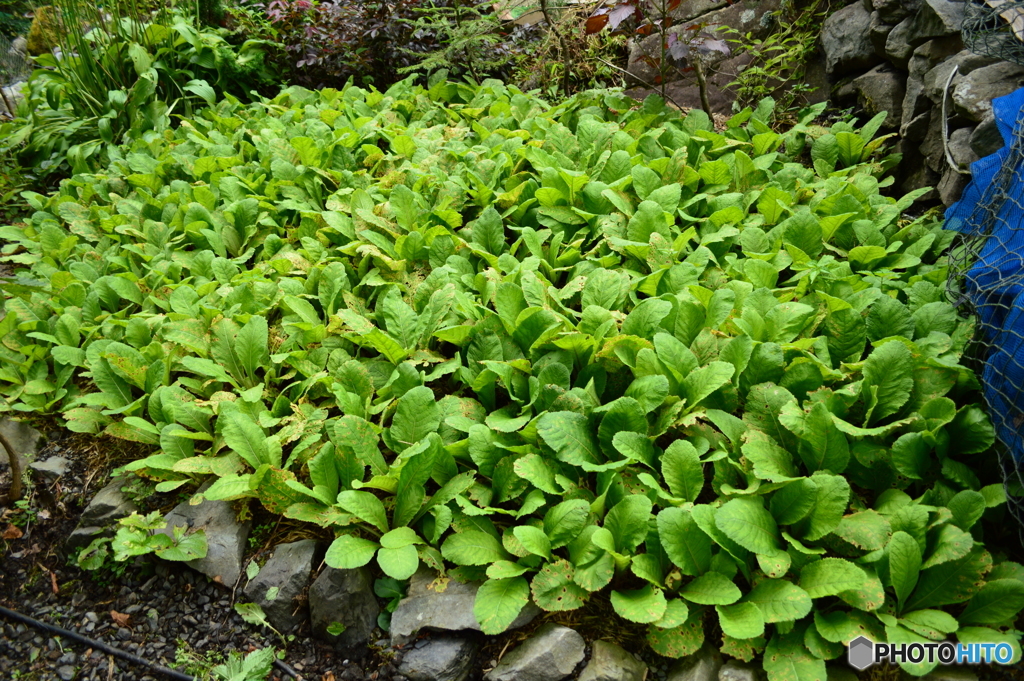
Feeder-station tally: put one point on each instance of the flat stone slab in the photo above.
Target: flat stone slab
(345, 599)
(281, 581)
(443, 604)
(609, 662)
(25, 439)
(225, 537)
(440, 658)
(703, 665)
(107, 507)
(52, 469)
(551, 654)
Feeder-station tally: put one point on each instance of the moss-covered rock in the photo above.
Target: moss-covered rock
(42, 34)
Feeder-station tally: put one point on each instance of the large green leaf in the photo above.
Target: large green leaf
(498, 602)
(644, 605)
(779, 600)
(348, 552)
(889, 371)
(628, 522)
(416, 416)
(997, 602)
(742, 620)
(750, 525)
(831, 576)
(473, 547)
(685, 543)
(245, 438)
(711, 588)
(570, 436)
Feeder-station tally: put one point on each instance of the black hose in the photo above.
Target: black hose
(116, 652)
(98, 645)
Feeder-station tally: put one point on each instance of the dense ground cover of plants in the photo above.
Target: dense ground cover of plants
(587, 350)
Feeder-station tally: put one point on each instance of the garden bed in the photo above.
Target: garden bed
(587, 353)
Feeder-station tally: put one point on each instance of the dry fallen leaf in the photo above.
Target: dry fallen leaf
(120, 618)
(12, 532)
(53, 583)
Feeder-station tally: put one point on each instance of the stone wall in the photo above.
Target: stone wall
(896, 56)
(876, 55)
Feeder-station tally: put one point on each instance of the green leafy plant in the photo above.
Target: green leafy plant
(467, 34)
(121, 78)
(392, 591)
(779, 61)
(139, 535)
(590, 347)
(253, 613)
(254, 666)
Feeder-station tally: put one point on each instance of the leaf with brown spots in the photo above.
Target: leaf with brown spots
(678, 641)
(952, 582)
(554, 590)
(742, 648)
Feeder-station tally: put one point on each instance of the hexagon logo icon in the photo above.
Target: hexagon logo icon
(861, 653)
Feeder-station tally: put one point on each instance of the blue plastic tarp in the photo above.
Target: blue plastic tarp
(992, 207)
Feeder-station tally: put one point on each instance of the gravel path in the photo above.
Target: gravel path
(157, 611)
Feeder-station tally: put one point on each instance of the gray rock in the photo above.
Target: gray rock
(609, 662)
(973, 95)
(108, 506)
(879, 32)
(965, 61)
(288, 572)
(921, 176)
(25, 439)
(960, 148)
(737, 671)
(225, 537)
(51, 469)
(344, 597)
(690, 9)
(846, 41)
(442, 658)
(951, 186)
(931, 146)
(19, 47)
(550, 654)
(14, 94)
(937, 18)
(915, 129)
(986, 138)
(882, 89)
(66, 672)
(445, 604)
(897, 44)
(924, 59)
(895, 11)
(703, 665)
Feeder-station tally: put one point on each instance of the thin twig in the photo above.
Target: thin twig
(702, 85)
(639, 80)
(566, 56)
